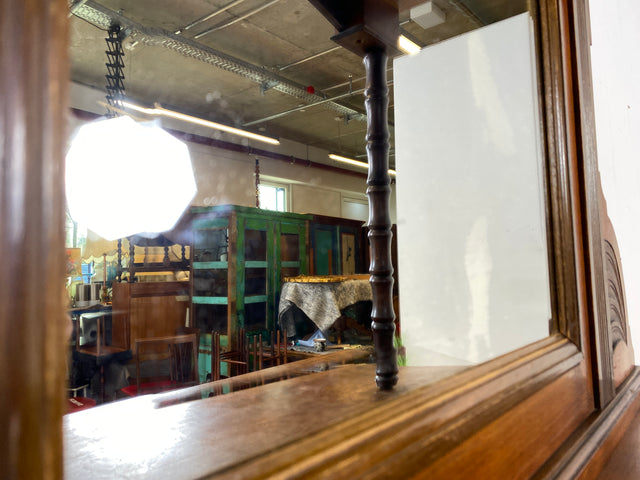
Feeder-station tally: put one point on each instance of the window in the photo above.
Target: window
(76, 235)
(273, 197)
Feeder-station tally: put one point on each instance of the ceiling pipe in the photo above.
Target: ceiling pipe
(312, 57)
(301, 107)
(102, 17)
(236, 20)
(208, 17)
(304, 107)
(351, 81)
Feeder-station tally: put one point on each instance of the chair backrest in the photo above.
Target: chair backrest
(182, 351)
(237, 360)
(251, 354)
(277, 353)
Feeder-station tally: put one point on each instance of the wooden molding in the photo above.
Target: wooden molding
(585, 453)
(415, 431)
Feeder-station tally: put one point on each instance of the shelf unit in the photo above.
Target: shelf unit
(240, 258)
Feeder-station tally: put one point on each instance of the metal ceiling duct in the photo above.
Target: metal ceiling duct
(103, 17)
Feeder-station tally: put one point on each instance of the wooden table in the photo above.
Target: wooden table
(322, 301)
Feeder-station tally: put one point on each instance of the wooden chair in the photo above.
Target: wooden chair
(102, 352)
(237, 360)
(182, 352)
(250, 355)
(277, 353)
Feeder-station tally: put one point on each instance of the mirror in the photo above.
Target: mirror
(471, 196)
(486, 279)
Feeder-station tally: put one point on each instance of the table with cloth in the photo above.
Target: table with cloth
(322, 299)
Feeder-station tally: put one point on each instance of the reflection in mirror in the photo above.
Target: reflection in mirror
(471, 223)
(471, 235)
(470, 195)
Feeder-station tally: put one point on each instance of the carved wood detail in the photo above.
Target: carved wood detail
(616, 312)
(582, 94)
(615, 323)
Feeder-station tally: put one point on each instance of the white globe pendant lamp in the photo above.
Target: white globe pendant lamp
(125, 178)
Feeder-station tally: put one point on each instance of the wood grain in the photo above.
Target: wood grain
(592, 443)
(152, 309)
(378, 193)
(409, 434)
(33, 325)
(619, 458)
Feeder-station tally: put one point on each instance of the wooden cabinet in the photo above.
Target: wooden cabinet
(240, 257)
(148, 309)
(338, 246)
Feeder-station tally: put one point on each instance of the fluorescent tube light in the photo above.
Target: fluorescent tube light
(351, 161)
(159, 110)
(407, 46)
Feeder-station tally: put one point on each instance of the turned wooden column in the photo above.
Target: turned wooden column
(378, 191)
(119, 267)
(132, 256)
(370, 29)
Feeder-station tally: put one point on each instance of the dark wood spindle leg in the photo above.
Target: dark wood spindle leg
(378, 191)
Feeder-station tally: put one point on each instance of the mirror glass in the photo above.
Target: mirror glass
(468, 201)
(470, 195)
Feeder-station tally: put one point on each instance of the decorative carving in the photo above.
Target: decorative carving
(616, 312)
(132, 265)
(617, 344)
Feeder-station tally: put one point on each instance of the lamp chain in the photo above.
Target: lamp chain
(257, 183)
(115, 72)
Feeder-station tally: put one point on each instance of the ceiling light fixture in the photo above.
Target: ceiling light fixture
(105, 152)
(407, 46)
(159, 110)
(351, 161)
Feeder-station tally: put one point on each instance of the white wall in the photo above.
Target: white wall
(471, 236)
(616, 82)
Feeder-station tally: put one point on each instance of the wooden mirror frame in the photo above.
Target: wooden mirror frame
(551, 409)
(515, 416)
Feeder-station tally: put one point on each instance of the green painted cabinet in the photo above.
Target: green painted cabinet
(338, 246)
(240, 256)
